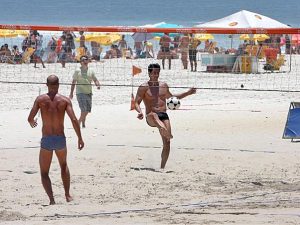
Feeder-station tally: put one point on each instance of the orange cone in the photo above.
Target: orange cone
(136, 70)
(132, 103)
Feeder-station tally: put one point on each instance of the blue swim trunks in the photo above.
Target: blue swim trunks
(53, 142)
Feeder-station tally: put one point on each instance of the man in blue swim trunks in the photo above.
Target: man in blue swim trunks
(154, 94)
(53, 107)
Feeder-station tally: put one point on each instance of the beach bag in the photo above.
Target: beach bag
(268, 67)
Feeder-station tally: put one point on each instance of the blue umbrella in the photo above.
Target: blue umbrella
(167, 25)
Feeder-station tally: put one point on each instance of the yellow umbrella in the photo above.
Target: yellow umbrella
(103, 39)
(260, 37)
(4, 33)
(204, 37)
(157, 38)
(256, 37)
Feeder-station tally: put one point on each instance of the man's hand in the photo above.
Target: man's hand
(80, 144)
(71, 96)
(192, 91)
(140, 116)
(34, 123)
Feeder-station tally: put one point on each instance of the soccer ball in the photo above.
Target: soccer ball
(173, 103)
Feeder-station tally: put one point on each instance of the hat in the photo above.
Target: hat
(84, 57)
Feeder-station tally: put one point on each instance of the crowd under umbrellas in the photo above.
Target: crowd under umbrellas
(67, 47)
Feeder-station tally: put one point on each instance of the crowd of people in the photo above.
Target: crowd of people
(62, 49)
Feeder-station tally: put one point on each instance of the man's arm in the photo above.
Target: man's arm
(33, 112)
(97, 83)
(138, 99)
(185, 94)
(72, 88)
(75, 123)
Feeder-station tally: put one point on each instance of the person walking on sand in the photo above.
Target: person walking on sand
(53, 107)
(194, 43)
(83, 77)
(164, 43)
(154, 94)
(184, 50)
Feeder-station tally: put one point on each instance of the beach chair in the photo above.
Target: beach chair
(27, 54)
(279, 62)
(274, 64)
(292, 125)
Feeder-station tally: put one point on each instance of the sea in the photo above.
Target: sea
(186, 13)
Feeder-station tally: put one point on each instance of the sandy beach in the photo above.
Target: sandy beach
(228, 161)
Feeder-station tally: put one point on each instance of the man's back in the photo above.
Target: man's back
(53, 112)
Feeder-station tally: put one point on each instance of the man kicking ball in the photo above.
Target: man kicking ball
(154, 94)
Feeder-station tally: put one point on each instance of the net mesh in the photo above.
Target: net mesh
(258, 62)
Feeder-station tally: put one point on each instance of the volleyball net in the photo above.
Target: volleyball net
(226, 59)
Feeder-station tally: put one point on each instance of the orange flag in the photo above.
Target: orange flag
(132, 103)
(136, 70)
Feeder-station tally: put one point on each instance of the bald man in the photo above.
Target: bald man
(53, 107)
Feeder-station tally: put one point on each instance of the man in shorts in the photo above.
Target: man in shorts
(184, 50)
(165, 42)
(53, 107)
(154, 94)
(194, 43)
(83, 78)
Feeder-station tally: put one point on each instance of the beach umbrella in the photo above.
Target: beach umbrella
(203, 37)
(166, 25)
(5, 33)
(102, 38)
(244, 19)
(256, 37)
(140, 37)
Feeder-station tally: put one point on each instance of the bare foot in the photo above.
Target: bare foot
(69, 198)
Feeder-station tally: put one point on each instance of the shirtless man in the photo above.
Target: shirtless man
(184, 50)
(53, 107)
(154, 94)
(165, 42)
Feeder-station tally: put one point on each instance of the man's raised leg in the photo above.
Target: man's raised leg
(45, 162)
(153, 120)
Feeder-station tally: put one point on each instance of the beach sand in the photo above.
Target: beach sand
(228, 162)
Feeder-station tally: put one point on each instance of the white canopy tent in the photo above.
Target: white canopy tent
(244, 19)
